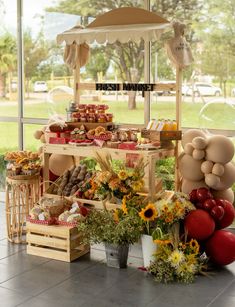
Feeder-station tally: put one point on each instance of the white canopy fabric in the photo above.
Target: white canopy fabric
(123, 24)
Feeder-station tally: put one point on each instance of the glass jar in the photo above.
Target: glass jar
(83, 117)
(76, 117)
(91, 108)
(82, 108)
(101, 118)
(101, 108)
(91, 118)
(109, 117)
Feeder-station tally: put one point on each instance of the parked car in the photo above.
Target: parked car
(40, 86)
(201, 89)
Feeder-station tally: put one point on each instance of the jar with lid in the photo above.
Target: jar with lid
(91, 108)
(101, 118)
(83, 117)
(91, 118)
(109, 117)
(75, 117)
(101, 108)
(82, 107)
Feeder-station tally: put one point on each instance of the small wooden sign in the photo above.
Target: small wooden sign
(142, 87)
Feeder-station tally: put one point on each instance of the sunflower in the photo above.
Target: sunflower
(122, 175)
(194, 245)
(137, 185)
(124, 207)
(163, 242)
(149, 213)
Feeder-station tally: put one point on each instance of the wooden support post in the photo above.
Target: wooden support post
(76, 84)
(179, 74)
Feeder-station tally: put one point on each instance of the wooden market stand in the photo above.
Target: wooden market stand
(123, 24)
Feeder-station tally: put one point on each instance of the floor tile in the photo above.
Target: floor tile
(41, 302)
(9, 298)
(9, 249)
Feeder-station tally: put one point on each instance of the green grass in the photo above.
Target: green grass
(223, 117)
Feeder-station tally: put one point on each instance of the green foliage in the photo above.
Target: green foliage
(99, 62)
(90, 163)
(2, 172)
(101, 226)
(165, 169)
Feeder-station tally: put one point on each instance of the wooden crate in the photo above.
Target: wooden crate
(155, 135)
(55, 242)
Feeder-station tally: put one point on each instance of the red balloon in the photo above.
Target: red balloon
(229, 213)
(52, 176)
(193, 196)
(209, 204)
(203, 194)
(217, 213)
(199, 224)
(221, 247)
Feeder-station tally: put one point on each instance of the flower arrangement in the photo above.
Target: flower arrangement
(178, 260)
(118, 183)
(111, 227)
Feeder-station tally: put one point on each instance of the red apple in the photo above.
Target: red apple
(221, 247)
(203, 194)
(209, 204)
(217, 213)
(193, 196)
(229, 214)
(199, 224)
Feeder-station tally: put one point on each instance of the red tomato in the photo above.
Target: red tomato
(199, 224)
(221, 247)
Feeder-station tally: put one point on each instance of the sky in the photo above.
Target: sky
(32, 10)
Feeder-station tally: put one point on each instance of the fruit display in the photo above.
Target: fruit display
(71, 180)
(21, 156)
(99, 133)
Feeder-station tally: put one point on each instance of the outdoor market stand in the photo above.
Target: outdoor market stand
(123, 24)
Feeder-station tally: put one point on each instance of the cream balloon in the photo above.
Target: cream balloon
(190, 169)
(228, 178)
(42, 138)
(188, 185)
(219, 149)
(212, 180)
(58, 164)
(198, 154)
(218, 169)
(224, 194)
(37, 134)
(199, 142)
(188, 149)
(190, 134)
(207, 167)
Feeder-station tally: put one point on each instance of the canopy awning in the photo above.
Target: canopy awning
(123, 24)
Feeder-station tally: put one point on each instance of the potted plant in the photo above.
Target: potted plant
(113, 228)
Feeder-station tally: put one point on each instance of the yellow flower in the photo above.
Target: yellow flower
(163, 242)
(122, 175)
(115, 216)
(194, 246)
(114, 184)
(124, 207)
(103, 177)
(169, 218)
(137, 185)
(176, 258)
(149, 213)
(191, 259)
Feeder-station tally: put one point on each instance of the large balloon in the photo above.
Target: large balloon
(228, 178)
(188, 185)
(190, 169)
(221, 247)
(190, 134)
(199, 224)
(224, 194)
(58, 164)
(220, 149)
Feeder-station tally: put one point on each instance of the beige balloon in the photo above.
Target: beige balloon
(42, 138)
(188, 149)
(199, 142)
(224, 194)
(198, 154)
(212, 180)
(228, 178)
(58, 164)
(218, 169)
(207, 167)
(190, 134)
(188, 185)
(220, 149)
(190, 169)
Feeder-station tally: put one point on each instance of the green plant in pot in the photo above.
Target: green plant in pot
(113, 228)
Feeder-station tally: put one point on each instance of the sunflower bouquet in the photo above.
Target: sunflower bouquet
(178, 261)
(120, 182)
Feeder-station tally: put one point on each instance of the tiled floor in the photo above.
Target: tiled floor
(33, 281)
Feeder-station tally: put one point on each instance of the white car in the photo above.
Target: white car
(40, 86)
(201, 89)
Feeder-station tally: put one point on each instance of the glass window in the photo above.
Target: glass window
(30, 143)
(8, 58)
